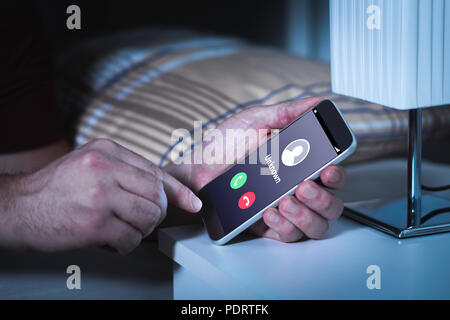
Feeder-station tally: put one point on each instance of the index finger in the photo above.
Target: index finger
(178, 194)
(150, 185)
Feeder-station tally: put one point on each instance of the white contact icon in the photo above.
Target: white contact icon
(295, 152)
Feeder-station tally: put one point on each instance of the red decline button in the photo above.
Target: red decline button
(246, 200)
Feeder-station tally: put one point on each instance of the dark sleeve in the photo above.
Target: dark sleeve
(28, 114)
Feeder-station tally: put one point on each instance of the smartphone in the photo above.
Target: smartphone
(238, 198)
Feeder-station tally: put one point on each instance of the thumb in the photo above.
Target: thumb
(278, 116)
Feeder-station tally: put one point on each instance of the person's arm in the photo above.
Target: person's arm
(98, 195)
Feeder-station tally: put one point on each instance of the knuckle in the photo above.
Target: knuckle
(93, 224)
(95, 195)
(326, 203)
(102, 144)
(92, 159)
(306, 220)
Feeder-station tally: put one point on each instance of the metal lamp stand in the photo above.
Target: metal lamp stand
(402, 217)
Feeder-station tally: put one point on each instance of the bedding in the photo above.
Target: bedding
(137, 87)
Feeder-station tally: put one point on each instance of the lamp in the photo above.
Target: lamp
(397, 54)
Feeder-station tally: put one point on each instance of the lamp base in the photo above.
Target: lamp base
(390, 215)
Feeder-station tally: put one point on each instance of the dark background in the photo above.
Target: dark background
(258, 21)
(298, 26)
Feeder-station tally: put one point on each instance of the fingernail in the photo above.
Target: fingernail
(196, 203)
(336, 177)
(292, 207)
(308, 191)
(274, 218)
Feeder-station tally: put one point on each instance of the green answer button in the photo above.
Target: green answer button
(238, 180)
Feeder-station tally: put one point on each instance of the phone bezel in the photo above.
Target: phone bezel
(210, 217)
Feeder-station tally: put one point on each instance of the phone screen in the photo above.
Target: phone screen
(242, 191)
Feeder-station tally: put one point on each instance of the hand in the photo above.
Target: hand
(100, 194)
(306, 213)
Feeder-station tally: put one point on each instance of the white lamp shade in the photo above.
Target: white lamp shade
(391, 52)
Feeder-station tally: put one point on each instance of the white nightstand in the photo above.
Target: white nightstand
(332, 268)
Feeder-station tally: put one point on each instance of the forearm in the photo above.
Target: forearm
(11, 203)
(14, 190)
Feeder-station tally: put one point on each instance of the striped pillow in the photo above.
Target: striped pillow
(138, 92)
